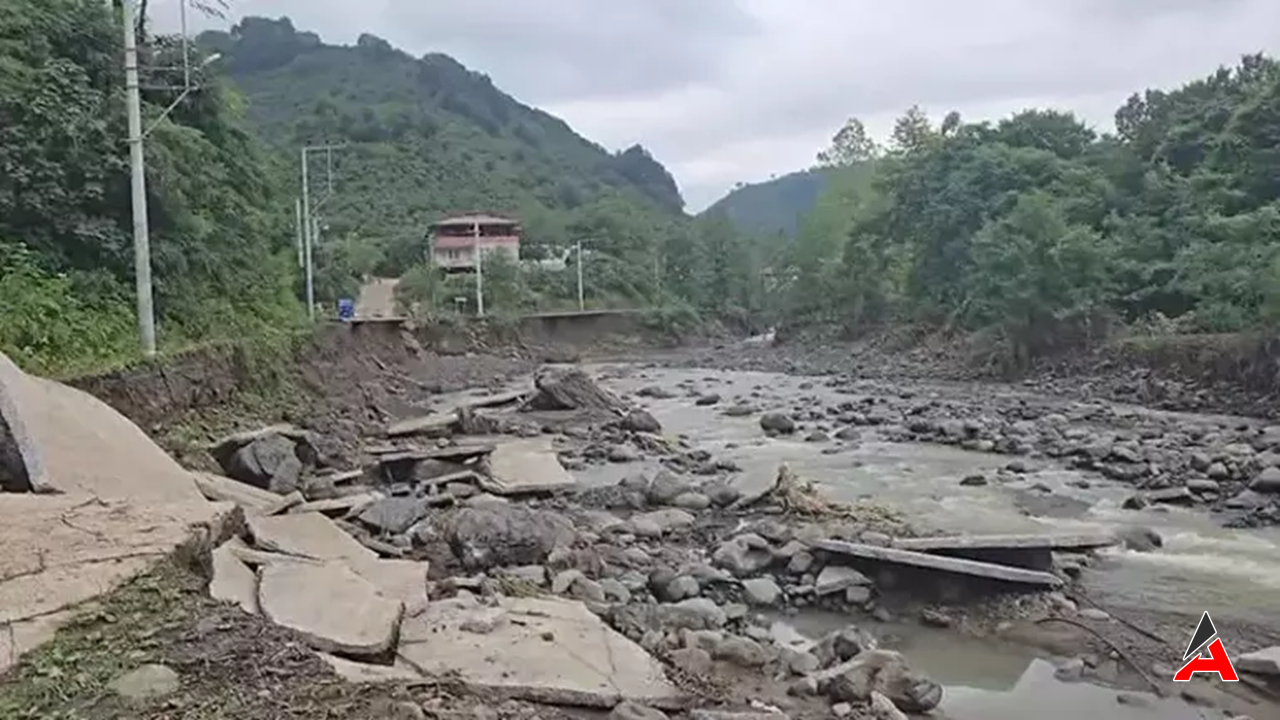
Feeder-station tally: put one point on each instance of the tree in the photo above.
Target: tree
(912, 132)
(850, 145)
(220, 240)
(1041, 233)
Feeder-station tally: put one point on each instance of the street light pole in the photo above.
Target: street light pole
(138, 177)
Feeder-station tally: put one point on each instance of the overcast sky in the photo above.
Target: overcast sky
(723, 91)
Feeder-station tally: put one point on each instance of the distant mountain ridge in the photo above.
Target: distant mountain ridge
(426, 135)
(775, 205)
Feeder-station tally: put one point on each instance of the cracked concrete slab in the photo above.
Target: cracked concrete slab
(403, 580)
(309, 535)
(233, 580)
(108, 504)
(336, 610)
(71, 442)
(526, 466)
(255, 501)
(544, 650)
(368, 673)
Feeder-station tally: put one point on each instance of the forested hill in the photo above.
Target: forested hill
(1039, 233)
(775, 205)
(427, 136)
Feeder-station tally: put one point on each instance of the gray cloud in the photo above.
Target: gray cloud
(573, 48)
(730, 90)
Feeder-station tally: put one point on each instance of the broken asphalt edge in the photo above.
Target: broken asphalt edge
(30, 455)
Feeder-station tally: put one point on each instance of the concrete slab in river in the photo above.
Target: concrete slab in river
(1006, 542)
(1025, 551)
(959, 566)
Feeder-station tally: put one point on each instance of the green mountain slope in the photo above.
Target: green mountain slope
(426, 136)
(775, 205)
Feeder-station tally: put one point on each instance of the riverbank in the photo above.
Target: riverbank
(1231, 374)
(941, 457)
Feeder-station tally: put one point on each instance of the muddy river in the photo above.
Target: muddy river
(1232, 573)
(1202, 566)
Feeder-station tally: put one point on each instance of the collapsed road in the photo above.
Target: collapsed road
(646, 542)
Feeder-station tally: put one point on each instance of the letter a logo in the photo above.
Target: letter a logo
(1206, 654)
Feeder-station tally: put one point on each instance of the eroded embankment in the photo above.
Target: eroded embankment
(1231, 374)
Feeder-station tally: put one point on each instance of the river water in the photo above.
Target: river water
(1232, 573)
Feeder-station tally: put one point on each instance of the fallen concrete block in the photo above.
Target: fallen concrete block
(233, 580)
(433, 425)
(1026, 551)
(63, 550)
(526, 466)
(254, 501)
(402, 580)
(1261, 662)
(370, 674)
(309, 535)
(959, 566)
(339, 506)
(548, 650)
(332, 607)
(71, 442)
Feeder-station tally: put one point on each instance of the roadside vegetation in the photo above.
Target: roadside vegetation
(1032, 234)
(424, 137)
(1038, 234)
(221, 240)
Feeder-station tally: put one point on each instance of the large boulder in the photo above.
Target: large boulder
(273, 458)
(776, 423)
(886, 672)
(506, 535)
(573, 389)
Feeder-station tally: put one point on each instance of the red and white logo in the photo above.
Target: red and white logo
(1206, 654)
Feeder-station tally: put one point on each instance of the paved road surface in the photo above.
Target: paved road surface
(377, 298)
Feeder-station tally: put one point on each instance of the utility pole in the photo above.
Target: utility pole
(309, 232)
(138, 177)
(137, 161)
(298, 231)
(582, 304)
(475, 237)
(306, 239)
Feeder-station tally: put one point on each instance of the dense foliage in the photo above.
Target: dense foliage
(1037, 230)
(66, 262)
(425, 137)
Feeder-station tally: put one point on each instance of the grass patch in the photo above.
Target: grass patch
(68, 678)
